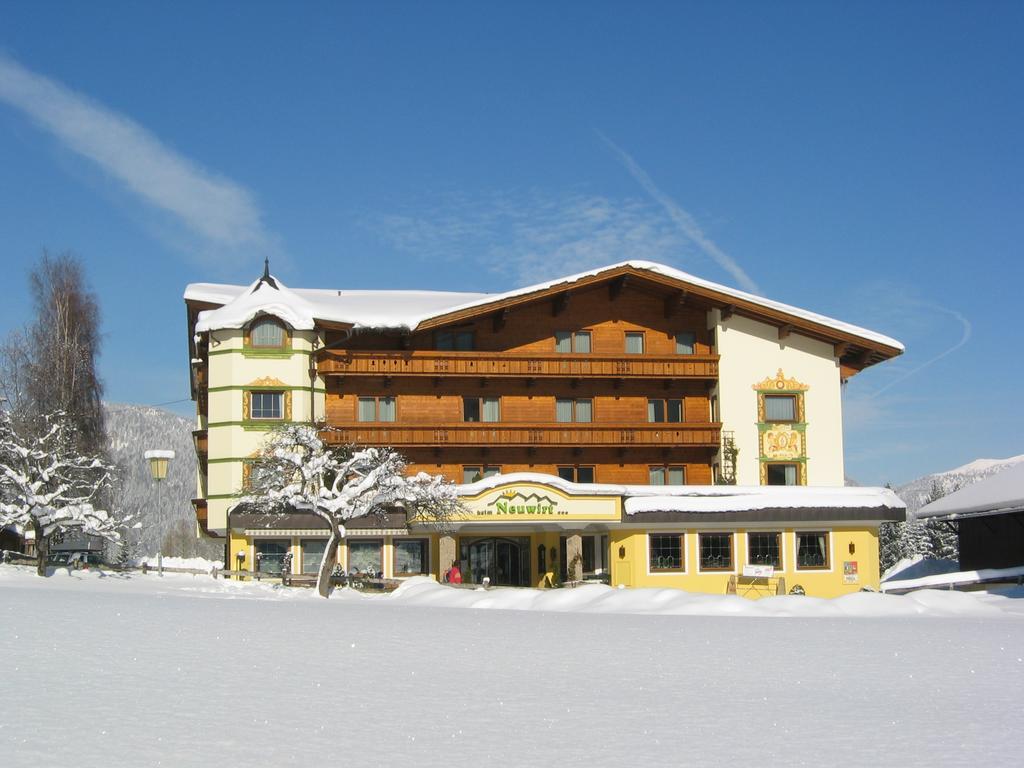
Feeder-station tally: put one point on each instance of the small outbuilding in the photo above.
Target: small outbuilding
(989, 518)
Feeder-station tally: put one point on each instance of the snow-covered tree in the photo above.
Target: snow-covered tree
(297, 471)
(47, 486)
(940, 540)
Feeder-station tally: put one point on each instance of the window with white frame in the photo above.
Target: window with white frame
(266, 405)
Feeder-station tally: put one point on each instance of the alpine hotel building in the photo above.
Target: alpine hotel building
(634, 423)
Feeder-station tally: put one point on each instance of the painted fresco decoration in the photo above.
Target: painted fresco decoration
(780, 383)
(782, 441)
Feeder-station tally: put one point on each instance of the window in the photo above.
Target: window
(470, 474)
(576, 341)
(667, 475)
(685, 343)
(634, 342)
(312, 554)
(782, 474)
(764, 549)
(266, 333)
(779, 408)
(270, 555)
(365, 556)
(481, 409)
(411, 557)
(453, 340)
(576, 474)
(574, 409)
(812, 550)
(665, 551)
(376, 409)
(659, 409)
(266, 405)
(715, 551)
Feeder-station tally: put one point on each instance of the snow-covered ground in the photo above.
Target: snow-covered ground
(189, 671)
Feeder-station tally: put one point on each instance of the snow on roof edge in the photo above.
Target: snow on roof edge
(703, 498)
(216, 293)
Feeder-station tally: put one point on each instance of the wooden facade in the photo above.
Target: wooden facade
(512, 359)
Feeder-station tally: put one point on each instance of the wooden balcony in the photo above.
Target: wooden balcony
(202, 514)
(501, 364)
(704, 435)
(199, 437)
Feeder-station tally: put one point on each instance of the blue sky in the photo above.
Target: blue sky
(861, 160)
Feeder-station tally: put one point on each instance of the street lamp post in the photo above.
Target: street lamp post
(159, 460)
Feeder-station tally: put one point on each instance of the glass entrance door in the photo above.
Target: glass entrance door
(505, 561)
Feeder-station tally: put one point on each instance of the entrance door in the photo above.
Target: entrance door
(505, 561)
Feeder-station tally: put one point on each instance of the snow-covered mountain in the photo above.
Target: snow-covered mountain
(132, 430)
(915, 494)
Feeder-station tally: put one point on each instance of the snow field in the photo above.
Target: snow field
(189, 671)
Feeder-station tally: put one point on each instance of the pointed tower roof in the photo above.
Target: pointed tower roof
(266, 296)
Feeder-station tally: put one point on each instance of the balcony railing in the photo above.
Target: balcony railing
(487, 364)
(568, 435)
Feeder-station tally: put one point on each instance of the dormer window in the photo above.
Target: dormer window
(266, 333)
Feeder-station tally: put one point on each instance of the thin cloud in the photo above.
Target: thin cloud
(682, 219)
(530, 236)
(965, 336)
(219, 211)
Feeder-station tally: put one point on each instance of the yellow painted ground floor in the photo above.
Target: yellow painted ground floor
(531, 530)
(824, 561)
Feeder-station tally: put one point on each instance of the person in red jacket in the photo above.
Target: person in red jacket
(453, 575)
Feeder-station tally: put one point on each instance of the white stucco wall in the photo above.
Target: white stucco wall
(750, 352)
(231, 370)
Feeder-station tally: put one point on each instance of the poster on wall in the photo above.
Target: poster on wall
(850, 572)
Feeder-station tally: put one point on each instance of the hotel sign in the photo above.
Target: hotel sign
(535, 501)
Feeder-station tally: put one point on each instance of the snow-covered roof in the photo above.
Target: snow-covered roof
(704, 498)
(999, 494)
(408, 309)
(302, 307)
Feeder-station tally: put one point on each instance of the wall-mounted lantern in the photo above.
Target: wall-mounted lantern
(853, 547)
(622, 552)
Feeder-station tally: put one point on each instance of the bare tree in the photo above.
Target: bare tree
(48, 486)
(296, 471)
(63, 342)
(15, 363)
